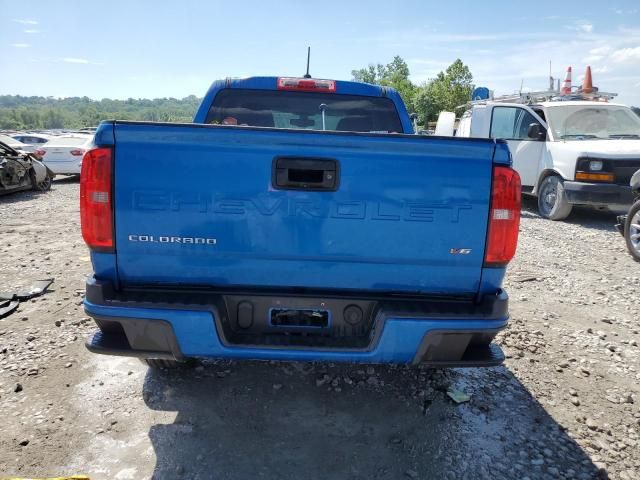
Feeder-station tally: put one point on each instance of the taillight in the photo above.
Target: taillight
(96, 203)
(39, 152)
(504, 217)
(306, 84)
(77, 153)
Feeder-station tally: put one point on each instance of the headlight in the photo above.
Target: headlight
(595, 165)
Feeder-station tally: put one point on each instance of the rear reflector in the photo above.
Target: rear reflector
(306, 84)
(504, 217)
(96, 203)
(77, 153)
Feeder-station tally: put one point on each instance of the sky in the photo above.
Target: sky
(148, 49)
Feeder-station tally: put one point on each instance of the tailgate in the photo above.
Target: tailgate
(196, 205)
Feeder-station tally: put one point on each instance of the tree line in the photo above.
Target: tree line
(19, 112)
(448, 90)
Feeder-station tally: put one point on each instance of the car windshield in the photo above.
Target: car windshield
(588, 122)
(303, 110)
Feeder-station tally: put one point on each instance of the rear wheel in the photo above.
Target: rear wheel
(166, 364)
(552, 199)
(632, 231)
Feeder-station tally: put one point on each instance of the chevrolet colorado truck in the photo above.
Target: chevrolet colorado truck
(297, 219)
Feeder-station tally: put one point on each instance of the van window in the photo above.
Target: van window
(511, 123)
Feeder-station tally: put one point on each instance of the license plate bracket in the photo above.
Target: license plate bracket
(299, 318)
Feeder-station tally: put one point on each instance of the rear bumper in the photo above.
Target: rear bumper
(64, 168)
(181, 331)
(598, 194)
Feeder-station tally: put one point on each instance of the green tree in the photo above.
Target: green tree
(448, 91)
(373, 74)
(395, 74)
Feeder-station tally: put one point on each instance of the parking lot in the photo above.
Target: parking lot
(566, 404)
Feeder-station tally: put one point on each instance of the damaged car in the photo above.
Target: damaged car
(22, 171)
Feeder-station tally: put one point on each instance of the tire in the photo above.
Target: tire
(44, 185)
(166, 364)
(552, 199)
(632, 231)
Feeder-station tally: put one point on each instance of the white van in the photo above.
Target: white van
(567, 153)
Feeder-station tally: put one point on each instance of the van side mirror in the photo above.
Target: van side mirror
(536, 132)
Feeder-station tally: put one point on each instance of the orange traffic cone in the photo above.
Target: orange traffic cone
(566, 87)
(587, 83)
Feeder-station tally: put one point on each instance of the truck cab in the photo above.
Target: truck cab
(566, 152)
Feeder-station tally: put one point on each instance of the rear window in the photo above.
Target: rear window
(67, 140)
(303, 110)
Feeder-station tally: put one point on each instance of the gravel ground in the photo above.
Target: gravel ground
(565, 405)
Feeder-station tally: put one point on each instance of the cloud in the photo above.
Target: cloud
(78, 61)
(31, 30)
(75, 60)
(631, 11)
(20, 45)
(597, 54)
(26, 22)
(582, 26)
(625, 55)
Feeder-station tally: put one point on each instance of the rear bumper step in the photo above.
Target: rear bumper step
(490, 355)
(116, 343)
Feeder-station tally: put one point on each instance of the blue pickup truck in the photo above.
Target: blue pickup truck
(297, 219)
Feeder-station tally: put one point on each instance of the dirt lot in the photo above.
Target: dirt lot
(565, 405)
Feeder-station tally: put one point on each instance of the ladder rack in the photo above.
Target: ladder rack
(527, 98)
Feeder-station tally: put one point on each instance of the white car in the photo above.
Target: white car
(63, 154)
(566, 152)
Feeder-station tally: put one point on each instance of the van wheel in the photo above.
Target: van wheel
(552, 199)
(632, 231)
(166, 364)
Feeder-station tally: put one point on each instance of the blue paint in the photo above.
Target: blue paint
(197, 336)
(402, 204)
(104, 266)
(491, 280)
(502, 154)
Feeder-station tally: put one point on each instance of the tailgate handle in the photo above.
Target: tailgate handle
(299, 173)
